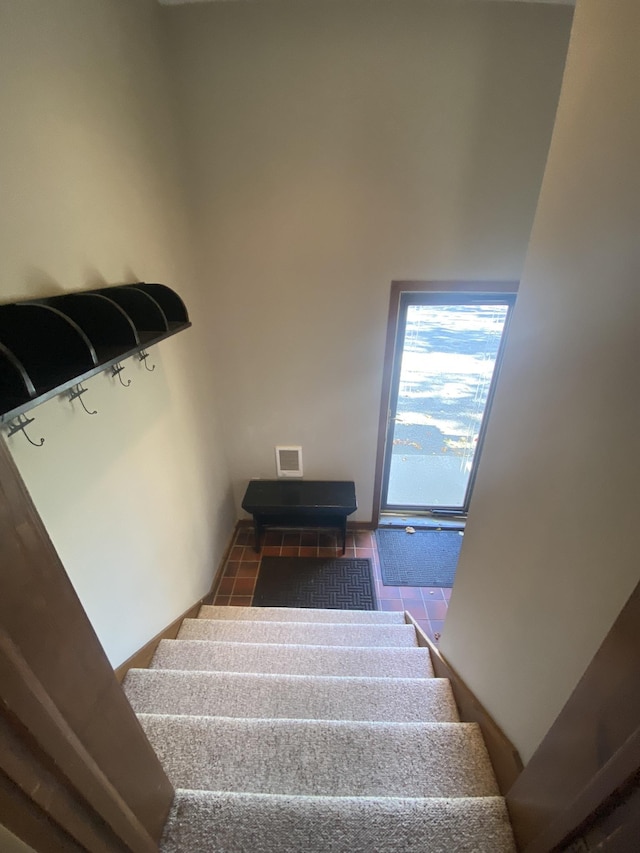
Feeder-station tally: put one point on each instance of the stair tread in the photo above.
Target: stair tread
(322, 757)
(165, 691)
(290, 824)
(293, 659)
(300, 614)
(299, 633)
(296, 729)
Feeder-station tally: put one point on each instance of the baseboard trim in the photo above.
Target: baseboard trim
(142, 658)
(223, 562)
(505, 758)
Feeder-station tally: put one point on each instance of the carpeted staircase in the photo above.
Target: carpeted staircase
(289, 730)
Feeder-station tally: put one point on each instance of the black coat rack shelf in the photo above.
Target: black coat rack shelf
(49, 345)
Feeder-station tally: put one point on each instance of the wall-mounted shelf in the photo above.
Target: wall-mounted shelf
(49, 345)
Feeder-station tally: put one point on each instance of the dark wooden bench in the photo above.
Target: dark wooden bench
(300, 503)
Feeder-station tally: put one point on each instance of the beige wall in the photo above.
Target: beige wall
(10, 844)
(551, 550)
(335, 147)
(136, 499)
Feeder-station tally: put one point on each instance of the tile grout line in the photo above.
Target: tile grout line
(417, 597)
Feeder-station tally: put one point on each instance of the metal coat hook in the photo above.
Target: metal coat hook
(116, 370)
(20, 424)
(143, 355)
(76, 394)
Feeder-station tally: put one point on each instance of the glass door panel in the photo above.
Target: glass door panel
(445, 364)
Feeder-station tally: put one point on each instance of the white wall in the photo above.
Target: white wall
(333, 148)
(551, 551)
(136, 499)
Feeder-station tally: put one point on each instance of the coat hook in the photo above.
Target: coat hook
(116, 370)
(20, 424)
(76, 394)
(143, 355)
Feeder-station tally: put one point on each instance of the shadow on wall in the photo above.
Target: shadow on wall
(502, 127)
(38, 284)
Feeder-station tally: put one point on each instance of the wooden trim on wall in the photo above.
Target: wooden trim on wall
(383, 417)
(506, 761)
(397, 289)
(223, 561)
(616, 827)
(34, 773)
(60, 699)
(411, 286)
(591, 751)
(31, 824)
(142, 658)
(23, 693)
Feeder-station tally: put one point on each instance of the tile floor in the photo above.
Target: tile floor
(428, 605)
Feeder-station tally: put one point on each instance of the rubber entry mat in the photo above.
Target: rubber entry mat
(341, 584)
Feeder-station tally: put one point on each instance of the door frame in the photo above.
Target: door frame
(76, 769)
(588, 763)
(398, 288)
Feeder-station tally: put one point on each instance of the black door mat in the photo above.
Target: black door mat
(423, 558)
(338, 584)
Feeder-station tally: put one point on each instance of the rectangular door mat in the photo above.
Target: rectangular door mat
(423, 558)
(341, 584)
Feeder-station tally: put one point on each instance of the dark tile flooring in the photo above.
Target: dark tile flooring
(428, 605)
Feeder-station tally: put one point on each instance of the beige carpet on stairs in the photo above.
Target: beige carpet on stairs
(313, 730)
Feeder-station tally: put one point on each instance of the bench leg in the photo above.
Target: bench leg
(257, 530)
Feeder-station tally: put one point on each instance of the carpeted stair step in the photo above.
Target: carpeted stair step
(300, 614)
(309, 633)
(322, 758)
(402, 700)
(293, 659)
(262, 823)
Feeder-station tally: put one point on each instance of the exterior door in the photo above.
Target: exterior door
(445, 357)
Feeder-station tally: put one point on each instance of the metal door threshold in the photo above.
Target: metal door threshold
(426, 522)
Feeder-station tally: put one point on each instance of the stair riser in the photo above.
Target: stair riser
(308, 633)
(292, 659)
(299, 614)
